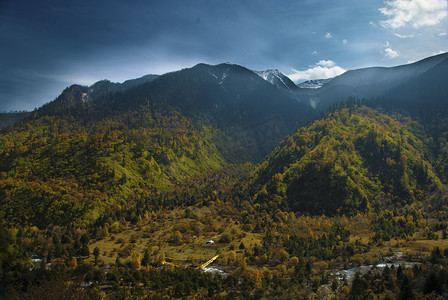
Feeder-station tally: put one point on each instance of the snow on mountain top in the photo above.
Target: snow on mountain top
(314, 84)
(266, 75)
(277, 78)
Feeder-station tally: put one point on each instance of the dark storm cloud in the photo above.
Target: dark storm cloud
(47, 45)
(52, 43)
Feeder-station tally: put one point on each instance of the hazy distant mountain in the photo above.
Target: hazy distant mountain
(314, 84)
(11, 118)
(78, 94)
(228, 94)
(428, 88)
(134, 82)
(376, 82)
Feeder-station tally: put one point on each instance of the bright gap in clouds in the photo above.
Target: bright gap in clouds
(416, 13)
(322, 70)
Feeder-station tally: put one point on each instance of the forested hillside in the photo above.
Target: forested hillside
(63, 169)
(354, 158)
(129, 202)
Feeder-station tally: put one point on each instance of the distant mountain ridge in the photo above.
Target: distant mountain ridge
(12, 118)
(314, 83)
(78, 94)
(400, 82)
(377, 82)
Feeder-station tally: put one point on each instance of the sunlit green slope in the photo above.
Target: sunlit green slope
(60, 169)
(350, 160)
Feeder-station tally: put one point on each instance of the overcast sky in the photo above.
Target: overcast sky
(47, 45)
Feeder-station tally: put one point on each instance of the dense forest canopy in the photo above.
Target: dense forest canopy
(344, 163)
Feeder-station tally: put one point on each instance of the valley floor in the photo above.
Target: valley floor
(279, 255)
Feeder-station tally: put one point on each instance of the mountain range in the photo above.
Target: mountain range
(406, 82)
(314, 83)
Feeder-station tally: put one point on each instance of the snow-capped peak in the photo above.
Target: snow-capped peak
(277, 78)
(269, 75)
(314, 83)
